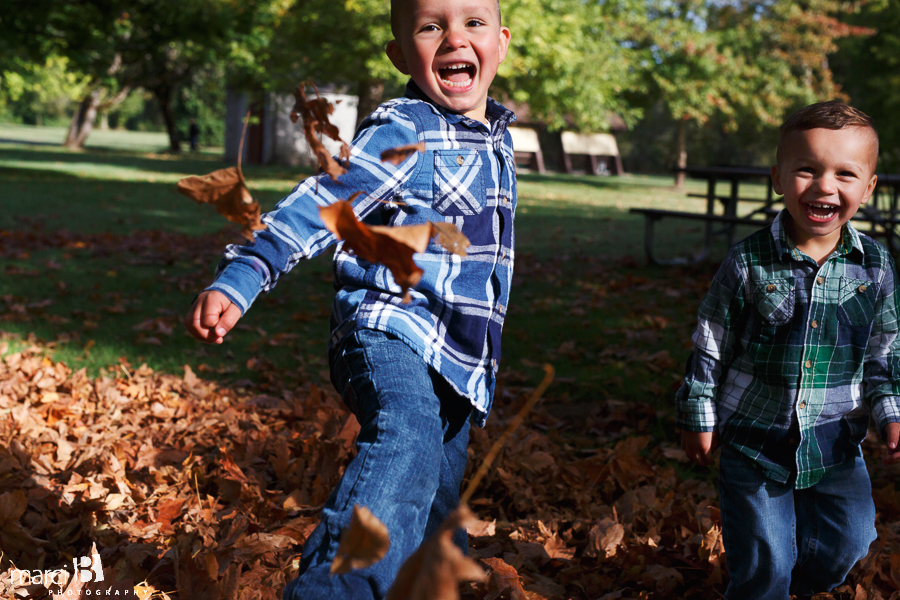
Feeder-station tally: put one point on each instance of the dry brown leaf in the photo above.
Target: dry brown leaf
(314, 114)
(503, 581)
(604, 538)
(397, 155)
(363, 543)
(435, 570)
(226, 190)
(392, 247)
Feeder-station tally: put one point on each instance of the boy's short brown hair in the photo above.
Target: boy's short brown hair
(398, 6)
(833, 114)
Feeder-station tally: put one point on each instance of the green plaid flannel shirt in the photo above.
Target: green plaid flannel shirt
(790, 357)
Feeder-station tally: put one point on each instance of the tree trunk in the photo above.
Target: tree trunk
(163, 95)
(681, 154)
(371, 92)
(83, 120)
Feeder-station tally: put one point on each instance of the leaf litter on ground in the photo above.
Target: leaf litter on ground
(196, 490)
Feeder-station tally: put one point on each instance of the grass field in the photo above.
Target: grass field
(102, 258)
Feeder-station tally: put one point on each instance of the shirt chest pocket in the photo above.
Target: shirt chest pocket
(774, 300)
(857, 301)
(458, 183)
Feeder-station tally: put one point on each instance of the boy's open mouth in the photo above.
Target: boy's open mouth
(458, 74)
(821, 212)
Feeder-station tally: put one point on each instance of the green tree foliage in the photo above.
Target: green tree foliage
(868, 68)
(568, 63)
(40, 92)
(737, 60)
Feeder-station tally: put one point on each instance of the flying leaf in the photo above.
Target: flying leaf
(434, 571)
(364, 542)
(226, 190)
(392, 247)
(397, 155)
(314, 114)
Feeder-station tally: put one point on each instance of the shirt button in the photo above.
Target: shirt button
(814, 324)
(770, 287)
(460, 160)
(802, 405)
(819, 280)
(808, 364)
(861, 289)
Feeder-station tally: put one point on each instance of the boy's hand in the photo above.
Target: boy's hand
(699, 446)
(892, 439)
(211, 317)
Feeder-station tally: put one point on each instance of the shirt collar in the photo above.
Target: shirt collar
(850, 242)
(498, 115)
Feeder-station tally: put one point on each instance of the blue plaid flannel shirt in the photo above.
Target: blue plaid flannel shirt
(791, 357)
(466, 176)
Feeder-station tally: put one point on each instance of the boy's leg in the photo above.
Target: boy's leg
(396, 473)
(757, 530)
(835, 526)
(455, 412)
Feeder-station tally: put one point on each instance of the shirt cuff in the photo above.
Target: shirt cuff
(696, 415)
(887, 410)
(240, 283)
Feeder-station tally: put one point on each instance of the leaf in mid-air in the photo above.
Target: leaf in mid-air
(363, 543)
(392, 247)
(314, 114)
(226, 190)
(397, 155)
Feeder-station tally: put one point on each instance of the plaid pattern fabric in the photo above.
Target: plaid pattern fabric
(790, 357)
(466, 176)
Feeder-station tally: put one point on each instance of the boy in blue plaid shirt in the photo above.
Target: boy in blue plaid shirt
(796, 346)
(412, 373)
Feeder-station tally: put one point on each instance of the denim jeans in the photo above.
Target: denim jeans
(408, 469)
(780, 540)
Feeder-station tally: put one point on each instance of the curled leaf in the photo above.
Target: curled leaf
(314, 114)
(397, 155)
(363, 543)
(225, 189)
(392, 247)
(434, 571)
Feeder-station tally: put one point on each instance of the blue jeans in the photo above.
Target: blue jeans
(414, 430)
(780, 540)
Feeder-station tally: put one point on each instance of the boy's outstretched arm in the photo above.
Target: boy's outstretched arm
(699, 446)
(892, 439)
(211, 317)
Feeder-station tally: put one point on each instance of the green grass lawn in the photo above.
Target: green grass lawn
(102, 257)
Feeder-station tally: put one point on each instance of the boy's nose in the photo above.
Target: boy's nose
(455, 38)
(826, 184)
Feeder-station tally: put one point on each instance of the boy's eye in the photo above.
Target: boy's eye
(474, 23)
(847, 174)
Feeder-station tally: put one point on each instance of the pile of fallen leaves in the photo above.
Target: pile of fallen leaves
(200, 491)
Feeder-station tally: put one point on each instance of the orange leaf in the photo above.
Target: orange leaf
(392, 247)
(397, 155)
(435, 570)
(226, 190)
(363, 543)
(503, 581)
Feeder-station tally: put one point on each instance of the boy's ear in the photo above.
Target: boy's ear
(869, 189)
(776, 180)
(395, 53)
(504, 42)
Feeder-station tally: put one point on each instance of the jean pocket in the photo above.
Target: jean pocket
(857, 301)
(458, 183)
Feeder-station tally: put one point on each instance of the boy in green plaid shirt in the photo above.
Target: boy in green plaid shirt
(796, 346)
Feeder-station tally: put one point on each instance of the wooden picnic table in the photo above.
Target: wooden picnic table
(881, 212)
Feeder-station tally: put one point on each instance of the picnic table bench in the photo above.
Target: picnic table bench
(881, 212)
